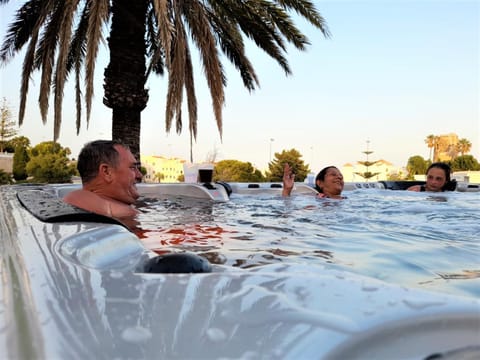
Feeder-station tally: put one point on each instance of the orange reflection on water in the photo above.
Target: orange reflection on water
(189, 235)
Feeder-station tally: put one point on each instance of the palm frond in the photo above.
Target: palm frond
(29, 20)
(27, 17)
(26, 71)
(176, 78)
(191, 98)
(154, 49)
(250, 17)
(279, 22)
(79, 39)
(75, 61)
(68, 13)
(166, 32)
(307, 10)
(196, 17)
(45, 56)
(231, 44)
(99, 13)
(78, 97)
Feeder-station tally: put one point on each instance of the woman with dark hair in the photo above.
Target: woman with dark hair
(438, 179)
(329, 182)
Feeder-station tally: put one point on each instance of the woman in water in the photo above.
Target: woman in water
(438, 179)
(329, 182)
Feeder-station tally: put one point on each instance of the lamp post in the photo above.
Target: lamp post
(271, 141)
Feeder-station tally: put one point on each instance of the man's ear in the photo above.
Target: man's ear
(105, 171)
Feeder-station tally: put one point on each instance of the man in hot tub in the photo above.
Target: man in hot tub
(109, 174)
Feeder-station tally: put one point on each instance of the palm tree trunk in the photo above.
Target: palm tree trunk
(125, 77)
(126, 127)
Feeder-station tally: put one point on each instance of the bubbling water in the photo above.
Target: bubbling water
(412, 239)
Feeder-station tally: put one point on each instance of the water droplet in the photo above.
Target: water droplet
(216, 334)
(136, 334)
(369, 288)
(392, 302)
(116, 274)
(419, 304)
(369, 312)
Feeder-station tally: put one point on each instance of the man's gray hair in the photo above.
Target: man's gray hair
(95, 153)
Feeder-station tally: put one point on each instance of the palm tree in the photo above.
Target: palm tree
(430, 141)
(463, 146)
(438, 147)
(147, 36)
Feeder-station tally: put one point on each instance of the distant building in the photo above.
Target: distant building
(364, 171)
(348, 172)
(467, 176)
(446, 147)
(161, 169)
(6, 162)
(382, 168)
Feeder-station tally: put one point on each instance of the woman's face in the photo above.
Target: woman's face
(436, 179)
(333, 183)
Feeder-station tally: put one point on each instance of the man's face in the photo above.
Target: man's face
(125, 177)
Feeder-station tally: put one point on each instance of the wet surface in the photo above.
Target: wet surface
(48, 207)
(413, 239)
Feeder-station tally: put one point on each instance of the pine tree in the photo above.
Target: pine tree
(7, 126)
(294, 159)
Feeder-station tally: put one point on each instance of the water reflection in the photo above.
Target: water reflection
(396, 236)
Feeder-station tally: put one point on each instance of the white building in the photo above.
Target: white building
(161, 169)
(382, 168)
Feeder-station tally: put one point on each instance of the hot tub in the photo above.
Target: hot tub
(73, 286)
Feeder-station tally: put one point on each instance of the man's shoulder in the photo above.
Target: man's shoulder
(80, 194)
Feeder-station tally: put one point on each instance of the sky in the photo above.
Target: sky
(392, 73)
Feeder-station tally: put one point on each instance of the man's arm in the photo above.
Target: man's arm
(90, 201)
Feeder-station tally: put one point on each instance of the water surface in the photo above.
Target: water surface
(413, 239)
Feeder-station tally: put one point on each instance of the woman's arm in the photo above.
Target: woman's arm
(288, 180)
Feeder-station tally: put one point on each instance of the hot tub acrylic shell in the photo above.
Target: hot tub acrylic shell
(75, 290)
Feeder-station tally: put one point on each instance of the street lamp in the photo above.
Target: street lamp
(271, 140)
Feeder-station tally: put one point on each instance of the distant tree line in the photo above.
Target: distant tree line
(48, 162)
(417, 165)
(238, 171)
(442, 144)
(459, 160)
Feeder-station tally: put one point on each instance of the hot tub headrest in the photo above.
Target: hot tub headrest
(49, 208)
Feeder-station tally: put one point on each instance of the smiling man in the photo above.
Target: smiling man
(109, 173)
